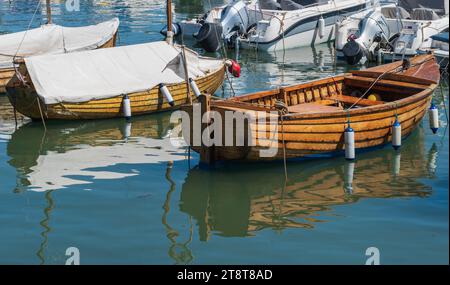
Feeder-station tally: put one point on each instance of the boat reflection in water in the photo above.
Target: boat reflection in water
(41, 158)
(67, 153)
(239, 200)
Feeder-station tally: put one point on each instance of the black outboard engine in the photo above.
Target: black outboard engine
(210, 36)
(234, 21)
(353, 52)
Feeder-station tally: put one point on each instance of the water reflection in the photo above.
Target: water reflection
(263, 70)
(46, 229)
(257, 199)
(41, 158)
(178, 251)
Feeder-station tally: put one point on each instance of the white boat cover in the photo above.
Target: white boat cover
(105, 73)
(54, 39)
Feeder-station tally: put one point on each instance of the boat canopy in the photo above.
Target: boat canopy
(53, 39)
(106, 73)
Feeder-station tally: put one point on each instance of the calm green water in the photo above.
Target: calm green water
(121, 200)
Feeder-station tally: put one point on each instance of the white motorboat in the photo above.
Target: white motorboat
(272, 25)
(391, 31)
(300, 22)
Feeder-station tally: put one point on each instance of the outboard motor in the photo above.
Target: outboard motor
(373, 34)
(210, 36)
(235, 18)
(234, 21)
(352, 51)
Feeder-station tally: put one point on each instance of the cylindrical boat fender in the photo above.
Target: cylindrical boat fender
(349, 136)
(194, 87)
(396, 134)
(126, 107)
(165, 91)
(176, 29)
(434, 118)
(321, 27)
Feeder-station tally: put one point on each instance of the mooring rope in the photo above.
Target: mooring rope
(42, 116)
(26, 31)
(186, 74)
(282, 110)
(224, 53)
(371, 86)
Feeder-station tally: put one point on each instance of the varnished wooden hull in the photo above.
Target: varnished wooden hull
(319, 133)
(6, 74)
(25, 100)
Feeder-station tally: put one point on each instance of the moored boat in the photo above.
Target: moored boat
(310, 119)
(94, 84)
(392, 31)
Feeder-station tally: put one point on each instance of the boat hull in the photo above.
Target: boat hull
(28, 103)
(317, 138)
(300, 28)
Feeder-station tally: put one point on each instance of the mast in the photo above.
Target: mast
(49, 12)
(169, 37)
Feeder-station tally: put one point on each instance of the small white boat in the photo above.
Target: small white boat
(391, 32)
(271, 25)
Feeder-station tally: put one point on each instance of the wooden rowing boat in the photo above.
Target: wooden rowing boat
(316, 113)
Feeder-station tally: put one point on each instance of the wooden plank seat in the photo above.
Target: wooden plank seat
(312, 108)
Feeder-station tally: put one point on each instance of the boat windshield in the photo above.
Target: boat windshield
(289, 5)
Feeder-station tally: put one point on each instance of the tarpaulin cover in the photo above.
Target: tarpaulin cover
(54, 39)
(105, 73)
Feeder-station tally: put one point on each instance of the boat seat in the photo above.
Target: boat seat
(424, 14)
(312, 108)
